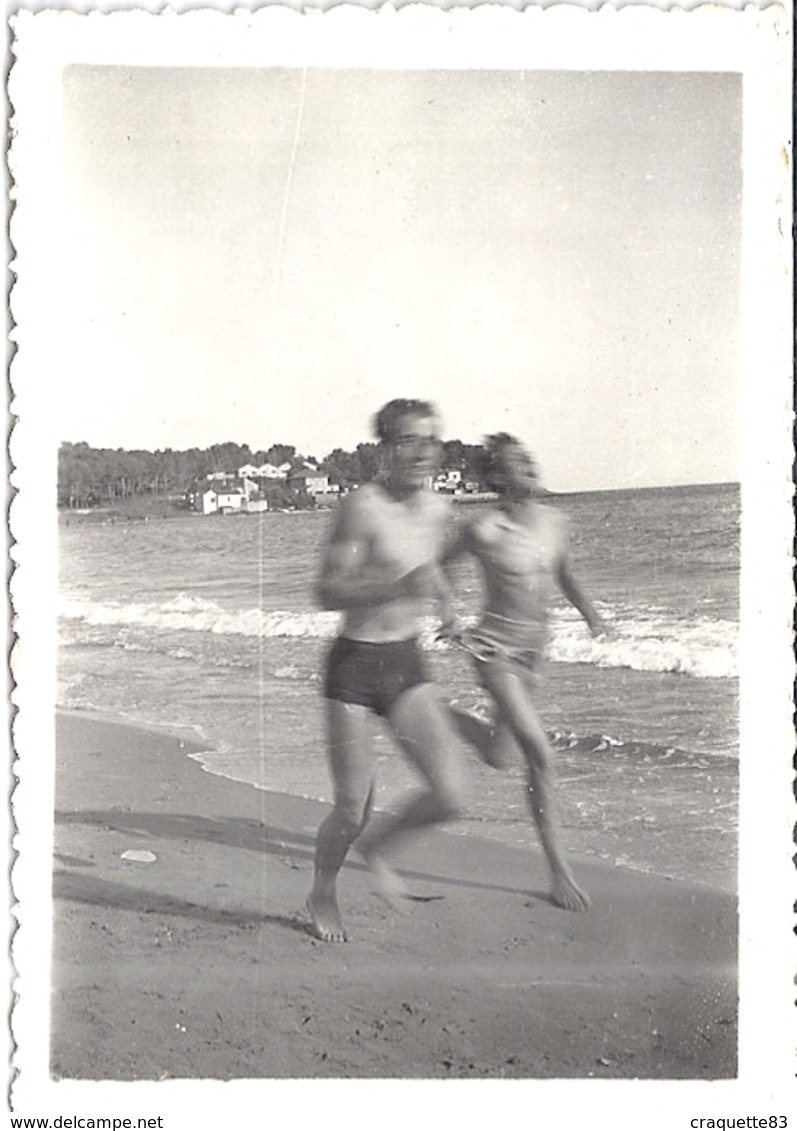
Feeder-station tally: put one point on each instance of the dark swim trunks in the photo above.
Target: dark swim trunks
(373, 675)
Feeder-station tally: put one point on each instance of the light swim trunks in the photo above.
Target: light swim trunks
(499, 640)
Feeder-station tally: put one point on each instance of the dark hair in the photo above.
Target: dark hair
(387, 418)
(491, 457)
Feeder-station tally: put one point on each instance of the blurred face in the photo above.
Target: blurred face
(411, 454)
(518, 475)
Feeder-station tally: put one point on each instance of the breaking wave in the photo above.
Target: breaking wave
(196, 614)
(643, 639)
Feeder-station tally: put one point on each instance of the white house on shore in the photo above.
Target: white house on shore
(227, 500)
(265, 471)
(448, 481)
(314, 482)
(241, 491)
(270, 471)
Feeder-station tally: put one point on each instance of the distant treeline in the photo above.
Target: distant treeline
(90, 477)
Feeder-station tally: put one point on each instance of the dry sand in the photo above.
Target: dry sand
(199, 964)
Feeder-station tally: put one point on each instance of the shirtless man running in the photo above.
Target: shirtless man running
(381, 568)
(522, 548)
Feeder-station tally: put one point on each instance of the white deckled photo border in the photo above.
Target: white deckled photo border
(755, 42)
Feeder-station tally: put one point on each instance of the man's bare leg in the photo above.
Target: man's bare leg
(515, 704)
(353, 791)
(421, 725)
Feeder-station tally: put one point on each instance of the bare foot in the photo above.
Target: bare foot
(388, 885)
(566, 893)
(325, 918)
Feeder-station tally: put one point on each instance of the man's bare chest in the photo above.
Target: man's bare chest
(408, 538)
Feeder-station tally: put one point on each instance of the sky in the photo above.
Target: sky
(268, 255)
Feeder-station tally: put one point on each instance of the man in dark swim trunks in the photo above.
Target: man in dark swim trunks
(381, 569)
(522, 547)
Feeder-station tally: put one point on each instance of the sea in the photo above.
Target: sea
(207, 624)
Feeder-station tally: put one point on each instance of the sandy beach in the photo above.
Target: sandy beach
(198, 963)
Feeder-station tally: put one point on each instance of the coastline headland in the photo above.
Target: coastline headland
(149, 510)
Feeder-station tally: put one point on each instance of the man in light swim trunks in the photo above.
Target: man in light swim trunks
(522, 546)
(381, 569)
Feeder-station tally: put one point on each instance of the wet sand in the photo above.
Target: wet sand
(199, 963)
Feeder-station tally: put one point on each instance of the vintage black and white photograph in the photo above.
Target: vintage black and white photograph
(395, 442)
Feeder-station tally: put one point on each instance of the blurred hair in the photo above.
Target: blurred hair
(386, 420)
(491, 457)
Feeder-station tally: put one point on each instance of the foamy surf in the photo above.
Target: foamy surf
(688, 652)
(644, 639)
(197, 614)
